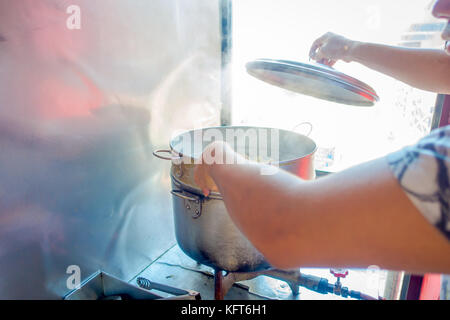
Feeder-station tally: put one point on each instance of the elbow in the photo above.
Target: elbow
(281, 264)
(280, 260)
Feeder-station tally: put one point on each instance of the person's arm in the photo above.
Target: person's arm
(426, 69)
(355, 218)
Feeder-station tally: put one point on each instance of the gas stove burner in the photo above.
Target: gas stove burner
(223, 281)
(294, 278)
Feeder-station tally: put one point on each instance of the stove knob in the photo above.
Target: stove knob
(339, 273)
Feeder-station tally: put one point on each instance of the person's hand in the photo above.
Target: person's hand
(214, 154)
(330, 48)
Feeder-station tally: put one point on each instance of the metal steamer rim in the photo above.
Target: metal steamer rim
(196, 191)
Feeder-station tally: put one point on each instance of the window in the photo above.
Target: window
(346, 135)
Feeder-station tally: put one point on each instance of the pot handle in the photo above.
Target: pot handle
(180, 194)
(304, 123)
(194, 208)
(155, 153)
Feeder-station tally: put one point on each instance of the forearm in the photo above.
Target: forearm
(291, 221)
(259, 206)
(356, 218)
(425, 69)
(256, 201)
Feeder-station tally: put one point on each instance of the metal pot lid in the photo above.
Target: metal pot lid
(315, 80)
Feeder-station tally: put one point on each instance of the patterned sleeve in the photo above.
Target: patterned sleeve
(423, 172)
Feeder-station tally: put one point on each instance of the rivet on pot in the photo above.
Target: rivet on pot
(196, 215)
(179, 172)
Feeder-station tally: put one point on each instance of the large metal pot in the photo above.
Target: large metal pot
(203, 228)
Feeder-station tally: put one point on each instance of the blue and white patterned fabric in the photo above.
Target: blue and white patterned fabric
(423, 172)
